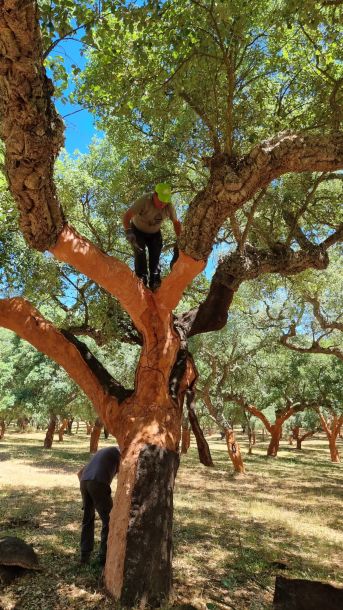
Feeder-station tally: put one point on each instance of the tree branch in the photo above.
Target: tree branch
(18, 315)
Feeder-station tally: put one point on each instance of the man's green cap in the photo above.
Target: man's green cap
(163, 191)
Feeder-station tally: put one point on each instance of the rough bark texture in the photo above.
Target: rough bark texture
(150, 528)
(49, 437)
(30, 126)
(233, 182)
(202, 444)
(296, 594)
(95, 435)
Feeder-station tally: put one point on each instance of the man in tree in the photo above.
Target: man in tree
(95, 484)
(142, 224)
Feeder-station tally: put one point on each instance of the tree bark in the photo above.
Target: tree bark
(332, 428)
(49, 437)
(234, 451)
(63, 427)
(275, 431)
(2, 428)
(202, 444)
(95, 435)
(185, 435)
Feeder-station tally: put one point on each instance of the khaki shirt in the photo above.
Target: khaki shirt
(148, 218)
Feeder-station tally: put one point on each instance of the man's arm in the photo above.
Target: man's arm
(127, 218)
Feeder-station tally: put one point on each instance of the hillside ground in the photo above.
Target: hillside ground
(232, 535)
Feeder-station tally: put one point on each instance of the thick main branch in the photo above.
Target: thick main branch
(20, 316)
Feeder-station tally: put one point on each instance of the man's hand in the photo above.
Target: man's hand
(131, 238)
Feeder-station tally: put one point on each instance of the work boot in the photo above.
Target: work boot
(155, 282)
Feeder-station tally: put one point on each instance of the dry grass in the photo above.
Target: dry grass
(230, 532)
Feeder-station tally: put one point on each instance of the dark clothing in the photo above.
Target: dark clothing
(95, 488)
(152, 241)
(96, 496)
(103, 466)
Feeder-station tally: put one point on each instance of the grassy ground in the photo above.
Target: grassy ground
(230, 532)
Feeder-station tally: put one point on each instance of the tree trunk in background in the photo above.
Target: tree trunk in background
(95, 435)
(49, 437)
(234, 451)
(61, 429)
(185, 438)
(334, 453)
(77, 426)
(294, 435)
(276, 432)
(202, 444)
(106, 433)
(89, 427)
(332, 427)
(301, 439)
(70, 425)
(2, 428)
(262, 434)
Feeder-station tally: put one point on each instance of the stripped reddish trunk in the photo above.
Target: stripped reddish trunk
(62, 429)
(95, 435)
(49, 437)
(332, 427)
(234, 451)
(334, 453)
(276, 432)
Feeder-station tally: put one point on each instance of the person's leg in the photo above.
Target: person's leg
(87, 531)
(141, 269)
(101, 494)
(154, 243)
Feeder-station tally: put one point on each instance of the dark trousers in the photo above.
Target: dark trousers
(152, 241)
(96, 496)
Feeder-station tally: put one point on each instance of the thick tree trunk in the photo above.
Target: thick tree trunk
(334, 453)
(95, 435)
(273, 448)
(62, 429)
(234, 451)
(49, 437)
(142, 519)
(301, 439)
(2, 428)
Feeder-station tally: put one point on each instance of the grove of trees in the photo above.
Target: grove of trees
(237, 104)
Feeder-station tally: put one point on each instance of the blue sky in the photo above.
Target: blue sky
(79, 125)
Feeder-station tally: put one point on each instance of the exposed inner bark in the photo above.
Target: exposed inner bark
(149, 528)
(49, 437)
